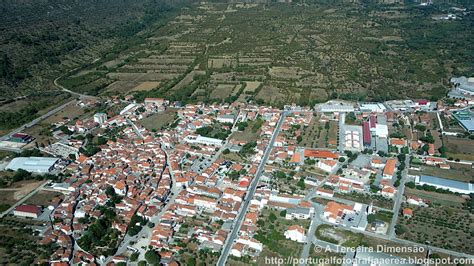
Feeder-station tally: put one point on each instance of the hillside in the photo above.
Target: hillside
(41, 39)
(293, 53)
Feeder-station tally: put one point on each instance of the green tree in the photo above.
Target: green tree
(134, 256)
(371, 218)
(152, 257)
(272, 217)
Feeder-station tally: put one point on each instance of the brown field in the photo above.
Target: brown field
(159, 120)
(146, 86)
(285, 72)
(18, 190)
(7, 197)
(270, 93)
(443, 199)
(221, 62)
(332, 134)
(38, 131)
(233, 157)
(121, 86)
(43, 198)
(71, 111)
(455, 173)
(142, 76)
(251, 86)
(459, 148)
(222, 91)
(246, 135)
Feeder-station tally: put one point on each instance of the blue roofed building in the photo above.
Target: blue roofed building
(465, 119)
(443, 183)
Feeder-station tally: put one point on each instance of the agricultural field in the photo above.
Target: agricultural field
(457, 172)
(459, 148)
(451, 200)
(71, 111)
(291, 54)
(314, 135)
(440, 226)
(19, 245)
(159, 120)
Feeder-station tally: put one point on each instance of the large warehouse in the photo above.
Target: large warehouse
(33, 164)
(451, 185)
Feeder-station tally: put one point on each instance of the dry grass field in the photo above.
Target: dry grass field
(159, 120)
(44, 198)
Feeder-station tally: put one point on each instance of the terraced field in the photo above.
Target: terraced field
(296, 54)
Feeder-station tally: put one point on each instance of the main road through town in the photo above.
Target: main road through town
(253, 187)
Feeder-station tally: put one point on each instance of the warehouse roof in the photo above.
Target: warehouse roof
(32, 164)
(445, 182)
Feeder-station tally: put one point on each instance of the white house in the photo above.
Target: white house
(226, 118)
(296, 233)
(327, 165)
(299, 213)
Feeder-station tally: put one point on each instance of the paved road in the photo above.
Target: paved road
(251, 191)
(398, 199)
(56, 83)
(50, 113)
(24, 199)
(315, 222)
(37, 120)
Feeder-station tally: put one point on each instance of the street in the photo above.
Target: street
(253, 186)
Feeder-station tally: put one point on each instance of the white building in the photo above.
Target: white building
(203, 140)
(296, 233)
(451, 185)
(226, 118)
(372, 107)
(33, 164)
(100, 118)
(331, 107)
(381, 131)
(327, 165)
(299, 213)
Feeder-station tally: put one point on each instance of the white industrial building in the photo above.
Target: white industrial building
(331, 107)
(451, 185)
(372, 107)
(33, 164)
(203, 140)
(100, 118)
